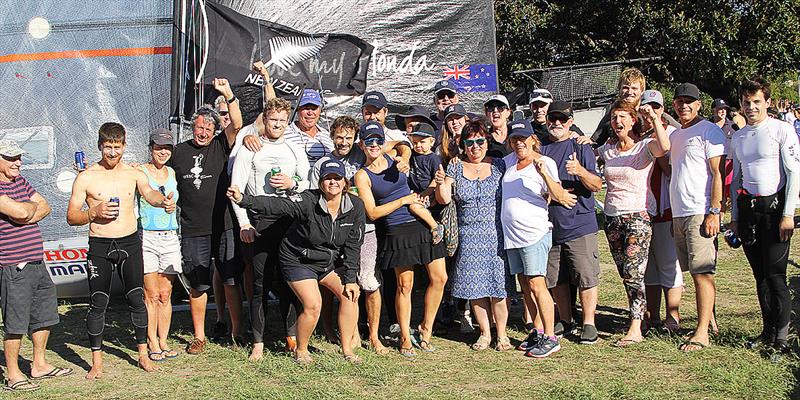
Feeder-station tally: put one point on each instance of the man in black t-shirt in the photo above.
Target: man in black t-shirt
(207, 233)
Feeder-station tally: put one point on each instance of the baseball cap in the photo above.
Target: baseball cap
(161, 136)
(542, 95)
(332, 166)
(652, 96)
(560, 107)
(444, 84)
(10, 148)
(310, 96)
(498, 98)
(371, 128)
(520, 128)
(796, 107)
(454, 109)
(719, 103)
(687, 90)
(423, 129)
(413, 111)
(374, 98)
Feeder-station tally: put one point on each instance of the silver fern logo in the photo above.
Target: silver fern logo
(288, 51)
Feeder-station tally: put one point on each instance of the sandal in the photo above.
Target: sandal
(408, 352)
(156, 356)
(482, 343)
(56, 372)
(169, 353)
(684, 346)
(353, 359)
(437, 233)
(21, 386)
(503, 344)
(626, 342)
(421, 343)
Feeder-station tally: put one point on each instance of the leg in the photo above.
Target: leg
(348, 312)
(500, 311)
(99, 274)
(258, 304)
(480, 312)
(702, 255)
(543, 302)
(219, 297)
(636, 249)
(530, 302)
(11, 346)
(653, 298)
(327, 315)
(705, 294)
(588, 304)
(561, 296)
(131, 272)
(233, 296)
(227, 262)
(197, 308)
(151, 301)
(43, 315)
(307, 291)
(423, 214)
(405, 284)
(389, 288)
(164, 314)
(672, 298)
(437, 277)
(373, 305)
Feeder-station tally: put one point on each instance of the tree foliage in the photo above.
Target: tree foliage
(714, 44)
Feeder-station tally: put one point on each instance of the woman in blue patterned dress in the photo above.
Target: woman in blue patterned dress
(473, 182)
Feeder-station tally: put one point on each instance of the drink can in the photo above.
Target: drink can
(353, 190)
(732, 239)
(275, 170)
(115, 200)
(80, 160)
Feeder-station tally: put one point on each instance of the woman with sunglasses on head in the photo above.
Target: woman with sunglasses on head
(403, 240)
(161, 247)
(629, 203)
(479, 274)
(321, 248)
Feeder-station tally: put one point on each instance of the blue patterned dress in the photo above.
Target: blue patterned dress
(480, 259)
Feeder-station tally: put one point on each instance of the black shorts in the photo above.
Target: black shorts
(198, 253)
(27, 298)
(294, 273)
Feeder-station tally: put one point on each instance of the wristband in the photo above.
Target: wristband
(232, 99)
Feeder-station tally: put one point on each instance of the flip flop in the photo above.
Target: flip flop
(382, 352)
(56, 372)
(626, 342)
(152, 355)
(21, 386)
(408, 352)
(688, 343)
(169, 353)
(420, 343)
(353, 359)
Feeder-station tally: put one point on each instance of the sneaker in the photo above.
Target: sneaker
(762, 340)
(529, 341)
(588, 334)
(196, 347)
(562, 328)
(465, 322)
(544, 347)
(219, 331)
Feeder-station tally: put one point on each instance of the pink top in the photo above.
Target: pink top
(627, 176)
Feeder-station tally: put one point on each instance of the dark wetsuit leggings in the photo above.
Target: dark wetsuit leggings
(125, 256)
(267, 275)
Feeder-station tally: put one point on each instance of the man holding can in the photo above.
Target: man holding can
(109, 190)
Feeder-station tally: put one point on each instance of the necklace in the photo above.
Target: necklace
(478, 167)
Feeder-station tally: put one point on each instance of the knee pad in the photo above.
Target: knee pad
(95, 320)
(135, 298)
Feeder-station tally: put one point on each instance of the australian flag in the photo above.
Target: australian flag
(473, 77)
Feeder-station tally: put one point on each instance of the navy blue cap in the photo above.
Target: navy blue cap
(520, 128)
(423, 129)
(444, 84)
(454, 109)
(687, 90)
(374, 98)
(413, 111)
(332, 166)
(310, 96)
(370, 129)
(719, 103)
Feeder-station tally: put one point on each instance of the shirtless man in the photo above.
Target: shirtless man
(114, 242)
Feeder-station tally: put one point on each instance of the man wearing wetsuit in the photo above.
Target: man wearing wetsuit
(114, 242)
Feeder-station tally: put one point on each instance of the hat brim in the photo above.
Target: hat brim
(520, 134)
(15, 153)
(376, 104)
(651, 102)
(568, 116)
(540, 99)
(400, 120)
(451, 90)
(310, 102)
(487, 103)
(456, 113)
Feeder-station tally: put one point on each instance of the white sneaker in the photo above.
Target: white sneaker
(466, 323)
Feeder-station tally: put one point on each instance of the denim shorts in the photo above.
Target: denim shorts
(531, 260)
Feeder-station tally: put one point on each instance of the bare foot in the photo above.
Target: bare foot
(695, 343)
(95, 373)
(146, 365)
(258, 352)
(378, 347)
(303, 357)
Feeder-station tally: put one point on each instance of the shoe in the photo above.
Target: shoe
(562, 328)
(529, 341)
(196, 347)
(240, 341)
(779, 350)
(465, 323)
(544, 347)
(394, 329)
(219, 331)
(762, 340)
(588, 334)
(291, 344)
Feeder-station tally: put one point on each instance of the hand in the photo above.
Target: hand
(648, 112)
(583, 139)
(281, 181)
(440, 175)
(77, 168)
(711, 225)
(786, 228)
(234, 194)
(352, 291)
(105, 210)
(734, 227)
(248, 234)
(402, 165)
(252, 143)
(168, 204)
(574, 166)
(222, 86)
(259, 67)
(574, 135)
(412, 199)
(568, 200)
(539, 163)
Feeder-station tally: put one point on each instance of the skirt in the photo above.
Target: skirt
(407, 244)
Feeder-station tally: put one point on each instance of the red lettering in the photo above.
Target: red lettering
(52, 255)
(71, 254)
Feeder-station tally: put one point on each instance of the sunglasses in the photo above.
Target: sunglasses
(333, 177)
(561, 118)
(500, 108)
(374, 142)
(12, 159)
(223, 113)
(471, 142)
(163, 190)
(445, 94)
(655, 106)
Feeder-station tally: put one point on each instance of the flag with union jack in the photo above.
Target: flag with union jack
(473, 77)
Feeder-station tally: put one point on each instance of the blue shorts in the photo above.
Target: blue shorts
(531, 260)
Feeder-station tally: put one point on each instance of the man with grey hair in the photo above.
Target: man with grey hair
(201, 166)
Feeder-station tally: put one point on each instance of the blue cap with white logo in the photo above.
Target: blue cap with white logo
(376, 99)
(310, 96)
(370, 129)
(520, 128)
(444, 84)
(332, 166)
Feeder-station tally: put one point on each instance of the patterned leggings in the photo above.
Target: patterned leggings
(629, 240)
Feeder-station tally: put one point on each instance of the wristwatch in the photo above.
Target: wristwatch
(714, 210)
(232, 99)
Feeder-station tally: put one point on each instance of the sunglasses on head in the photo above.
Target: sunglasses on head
(561, 118)
(470, 142)
(374, 142)
(445, 94)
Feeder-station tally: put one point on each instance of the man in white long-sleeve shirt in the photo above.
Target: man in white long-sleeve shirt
(254, 172)
(764, 193)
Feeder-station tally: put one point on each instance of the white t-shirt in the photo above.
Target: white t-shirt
(524, 213)
(627, 176)
(315, 147)
(691, 148)
(765, 158)
(251, 129)
(663, 195)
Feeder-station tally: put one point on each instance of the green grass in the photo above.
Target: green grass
(654, 369)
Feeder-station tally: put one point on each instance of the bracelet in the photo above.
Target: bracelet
(232, 99)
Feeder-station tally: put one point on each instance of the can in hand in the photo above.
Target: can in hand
(275, 171)
(732, 239)
(80, 160)
(115, 200)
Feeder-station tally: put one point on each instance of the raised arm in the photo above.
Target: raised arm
(660, 145)
(444, 186)
(222, 86)
(152, 196)
(374, 212)
(269, 91)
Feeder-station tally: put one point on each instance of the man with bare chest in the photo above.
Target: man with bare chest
(109, 189)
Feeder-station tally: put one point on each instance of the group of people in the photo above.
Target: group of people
(481, 202)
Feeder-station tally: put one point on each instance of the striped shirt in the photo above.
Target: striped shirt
(315, 147)
(18, 243)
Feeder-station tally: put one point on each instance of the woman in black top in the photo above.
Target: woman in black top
(325, 237)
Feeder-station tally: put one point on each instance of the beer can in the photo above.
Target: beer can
(115, 200)
(275, 170)
(80, 160)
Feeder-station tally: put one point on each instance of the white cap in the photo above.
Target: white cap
(497, 97)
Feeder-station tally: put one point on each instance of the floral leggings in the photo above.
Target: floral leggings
(629, 240)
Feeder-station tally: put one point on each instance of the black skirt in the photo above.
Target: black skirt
(407, 244)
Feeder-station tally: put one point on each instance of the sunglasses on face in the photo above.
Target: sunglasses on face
(471, 142)
(560, 118)
(12, 159)
(223, 113)
(496, 108)
(445, 94)
(374, 142)
(333, 178)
